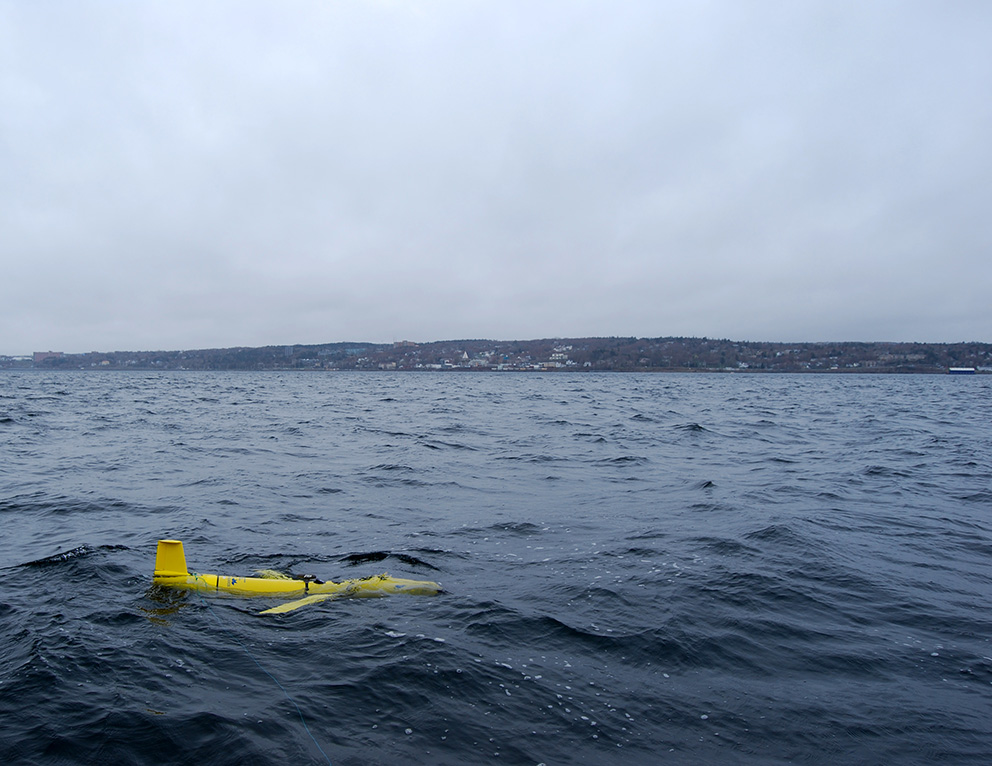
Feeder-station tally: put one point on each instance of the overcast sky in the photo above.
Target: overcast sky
(203, 174)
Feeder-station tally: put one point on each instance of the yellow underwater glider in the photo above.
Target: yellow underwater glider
(171, 572)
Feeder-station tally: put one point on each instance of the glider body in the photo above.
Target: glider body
(171, 572)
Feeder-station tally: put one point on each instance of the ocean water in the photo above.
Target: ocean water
(638, 569)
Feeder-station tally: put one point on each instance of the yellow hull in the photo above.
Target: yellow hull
(171, 572)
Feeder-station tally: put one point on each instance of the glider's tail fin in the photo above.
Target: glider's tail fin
(170, 559)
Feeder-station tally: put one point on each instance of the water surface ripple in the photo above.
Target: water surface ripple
(690, 569)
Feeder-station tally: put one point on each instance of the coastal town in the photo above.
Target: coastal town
(612, 354)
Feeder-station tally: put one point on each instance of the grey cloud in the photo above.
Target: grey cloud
(242, 174)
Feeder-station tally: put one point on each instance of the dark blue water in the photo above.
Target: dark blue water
(694, 569)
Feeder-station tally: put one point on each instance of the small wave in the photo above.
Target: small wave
(726, 547)
(384, 432)
(642, 552)
(439, 444)
(623, 460)
(591, 438)
(379, 482)
(776, 533)
(292, 518)
(983, 496)
(882, 470)
(209, 481)
(672, 647)
(652, 535)
(523, 528)
(391, 467)
(531, 458)
(707, 507)
(520, 529)
(354, 559)
(74, 553)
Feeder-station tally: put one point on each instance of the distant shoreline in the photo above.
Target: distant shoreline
(666, 354)
(673, 371)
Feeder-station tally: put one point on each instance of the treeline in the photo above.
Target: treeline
(577, 354)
